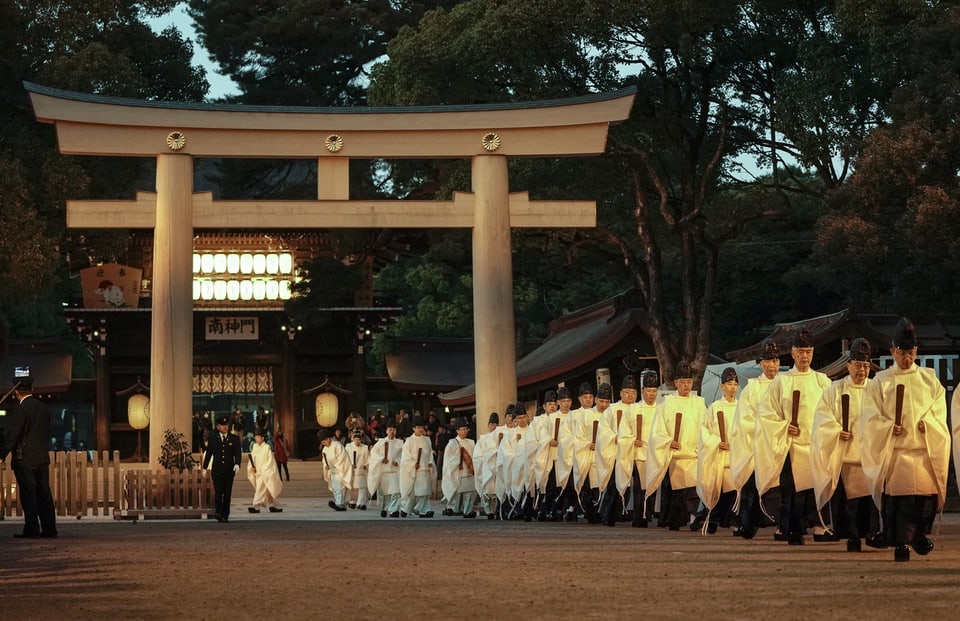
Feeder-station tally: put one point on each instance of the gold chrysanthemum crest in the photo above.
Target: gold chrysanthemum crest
(491, 141)
(333, 143)
(176, 140)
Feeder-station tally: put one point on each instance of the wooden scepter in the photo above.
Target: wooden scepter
(676, 427)
(845, 412)
(898, 413)
(419, 455)
(640, 427)
(723, 428)
(795, 409)
(619, 416)
(386, 452)
(499, 438)
(595, 423)
(556, 430)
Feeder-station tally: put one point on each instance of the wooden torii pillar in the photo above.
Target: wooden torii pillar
(176, 133)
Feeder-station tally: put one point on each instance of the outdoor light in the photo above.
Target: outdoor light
(206, 263)
(196, 289)
(233, 263)
(220, 289)
(286, 263)
(206, 290)
(220, 263)
(259, 290)
(259, 264)
(233, 289)
(273, 289)
(284, 289)
(273, 263)
(196, 262)
(246, 290)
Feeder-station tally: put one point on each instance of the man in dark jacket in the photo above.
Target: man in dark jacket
(223, 461)
(28, 431)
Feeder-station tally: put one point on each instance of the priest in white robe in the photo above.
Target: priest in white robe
(613, 466)
(485, 465)
(742, 434)
(458, 485)
(672, 450)
(905, 449)
(418, 472)
(585, 421)
(263, 475)
(782, 442)
(335, 468)
(838, 477)
(358, 458)
(383, 477)
(714, 482)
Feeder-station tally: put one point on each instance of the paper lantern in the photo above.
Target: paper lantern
(138, 411)
(328, 409)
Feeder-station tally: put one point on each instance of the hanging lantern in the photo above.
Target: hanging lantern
(138, 411)
(328, 410)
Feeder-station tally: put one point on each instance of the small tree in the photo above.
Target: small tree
(175, 453)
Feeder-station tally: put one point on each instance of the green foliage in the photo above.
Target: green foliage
(101, 47)
(175, 453)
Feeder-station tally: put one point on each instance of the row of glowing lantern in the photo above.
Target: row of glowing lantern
(246, 263)
(234, 290)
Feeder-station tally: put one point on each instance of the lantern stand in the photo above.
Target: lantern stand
(138, 416)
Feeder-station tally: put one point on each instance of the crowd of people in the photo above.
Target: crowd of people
(857, 459)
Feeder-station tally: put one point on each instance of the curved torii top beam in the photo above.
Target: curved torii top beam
(100, 125)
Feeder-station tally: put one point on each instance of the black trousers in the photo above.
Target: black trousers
(797, 509)
(611, 505)
(908, 519)
(750, 514)
(683, 503)
(33, 487)
(222, 492)
(638, 494)
(853, 518)
(721, 513)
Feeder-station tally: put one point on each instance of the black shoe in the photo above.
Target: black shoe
(827, 536)
(853, 544)
(219, 518)
(332, 505)
(712, 528)
(383, 514)
(428, 514)
(276, 510)
(403, 514)
(778, 536)
(922, 546)
(570, 516)
(340, 508)
(795, 539)
(362, 507)
(639, 523)
(749, 533)
(253, 510)
(490, 516)
(875, 540)
(901, 554)
(52, 534)
(27, 535)
(447, 512)
(395, 514)
(470, 515)
(677, 528)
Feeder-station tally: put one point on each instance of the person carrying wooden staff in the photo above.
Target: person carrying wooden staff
(784, 424)
(672, 450)
(905, 449)
(714, 482)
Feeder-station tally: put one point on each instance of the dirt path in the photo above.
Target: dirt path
(344, 568)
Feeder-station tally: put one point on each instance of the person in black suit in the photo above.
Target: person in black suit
(27, 435)
(223, 460)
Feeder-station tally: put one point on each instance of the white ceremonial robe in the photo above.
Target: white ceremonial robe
(416, 482)
(661, 459)
(561, 456)
(513, 467)
(457, 478)
(485, 462)
(772, 443)
(629, 455)
(358, 458)
(262, 474)
(713, 464)
(913, 463)
(831, 457)
(605, 458)
(383, 478)
(584, 460)
(335, 469)
(743, 430)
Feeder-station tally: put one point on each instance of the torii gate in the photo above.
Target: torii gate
(176, 133)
